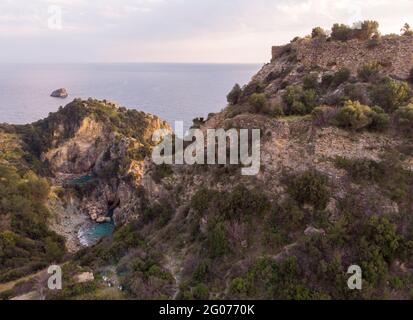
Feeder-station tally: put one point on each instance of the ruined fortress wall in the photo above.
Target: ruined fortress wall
(394, 52)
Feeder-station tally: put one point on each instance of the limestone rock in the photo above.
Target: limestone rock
(84, 277)
(60, 93)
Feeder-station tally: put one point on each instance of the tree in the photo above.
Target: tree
(258, 101)
(235, 94)
(354, 115)
(341, 32)
(318, 32)
(391, 94)
(406, 30)
(369, 29)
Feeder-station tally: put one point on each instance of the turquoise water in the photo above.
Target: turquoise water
(91, 234)
(80, 180)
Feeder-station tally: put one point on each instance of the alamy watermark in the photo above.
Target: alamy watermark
(55, 20)
(356, 279)
(210, 147)
(54, 282)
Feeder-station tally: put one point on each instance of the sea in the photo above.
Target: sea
(174, 92)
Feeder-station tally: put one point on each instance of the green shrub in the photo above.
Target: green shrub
(310, 187)
(202, 271)
(407, 30)
(238, 286)
(218, 243)
(380, 119)
(310, 81)
(202, 198)
(318, 32)
(391, 94)
(201, 292)
(324, 115)
(341, 32)
(299, 101)
(404, 116)
(369, 71)
(259, 102)
(361, 170)
(286, 217)
(26, 242)
(368, 30)
(340, 77)
(354, 115)
(238, 204)
(234, 95)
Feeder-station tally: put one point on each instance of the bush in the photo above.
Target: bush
(299, 101)
(324, 115)
(404, 117)
(311, 187)
(341, 32)
(391, 94)
(354, 115)
(238, 286)
(380, 119)
(310, 81)
(201, 292)
(218, 243)
(259, 102)
(407, 30)
(369, 71)
(368, 30)
(318, 32)
(234, 95)
(340, 77)
(237, 204)
(361, 170)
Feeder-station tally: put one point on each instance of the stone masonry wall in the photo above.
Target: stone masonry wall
(394, 52)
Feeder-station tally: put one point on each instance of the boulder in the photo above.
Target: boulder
(60, 93)
(84, 277)
(103, 219)
(310, 231)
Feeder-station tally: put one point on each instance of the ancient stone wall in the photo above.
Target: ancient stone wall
(395, 53)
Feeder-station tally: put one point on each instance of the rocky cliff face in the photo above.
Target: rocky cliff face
(94, 151)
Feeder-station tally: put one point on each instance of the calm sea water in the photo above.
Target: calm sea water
(171, 91)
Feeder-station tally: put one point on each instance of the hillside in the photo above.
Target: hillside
(334, 189)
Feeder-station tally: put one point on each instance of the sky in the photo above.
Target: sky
(187, 31)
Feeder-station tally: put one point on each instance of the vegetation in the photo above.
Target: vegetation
(391, 94)
(235, 94)
(318, 32)
(404, 116)
(365, 31)
(369, 71)
(26, 242)
(299, 101)
(407, 30)
(310, 187)
(356, 116)
(259, 102)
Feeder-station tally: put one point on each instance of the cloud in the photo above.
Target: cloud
(177, 30)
